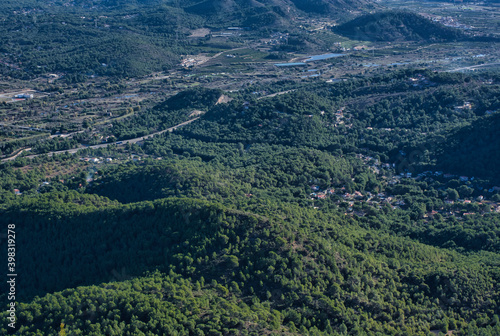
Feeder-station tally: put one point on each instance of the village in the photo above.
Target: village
(356, 202)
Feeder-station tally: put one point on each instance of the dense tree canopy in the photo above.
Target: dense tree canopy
(295, 214)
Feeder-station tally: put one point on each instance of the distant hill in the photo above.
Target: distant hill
(393, 26)
(332, 6)
(89, 45)
(131, 37)
(268, 12)
(233, 11)
(242, 10)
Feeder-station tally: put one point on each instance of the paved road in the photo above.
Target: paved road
(473, 67)
(120, 143)
(276, 94)
(16, 155)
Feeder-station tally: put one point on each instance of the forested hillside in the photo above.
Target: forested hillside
(249, 167)
(173, 111)
(307, 271)
(84, 45)
(131, 38)
(377, 116)
(328, 209)
(397, 26)
(473, 150)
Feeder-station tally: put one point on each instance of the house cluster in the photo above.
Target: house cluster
(96, 160)
(340, 117)
(321, 194)
(192, 61)
(379, 199)
(420, 81)
(465, 106)
(277, 39)
(375, 165)
(450, 22)
(188, 62)
(25, 96)
(429, 173)
(314, 24)
(374, 200)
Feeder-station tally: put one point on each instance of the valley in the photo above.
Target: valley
(216, 168)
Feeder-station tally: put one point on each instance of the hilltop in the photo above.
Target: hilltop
(391, 26)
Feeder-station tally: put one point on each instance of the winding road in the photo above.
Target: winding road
(473, 67)
(120, 143)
